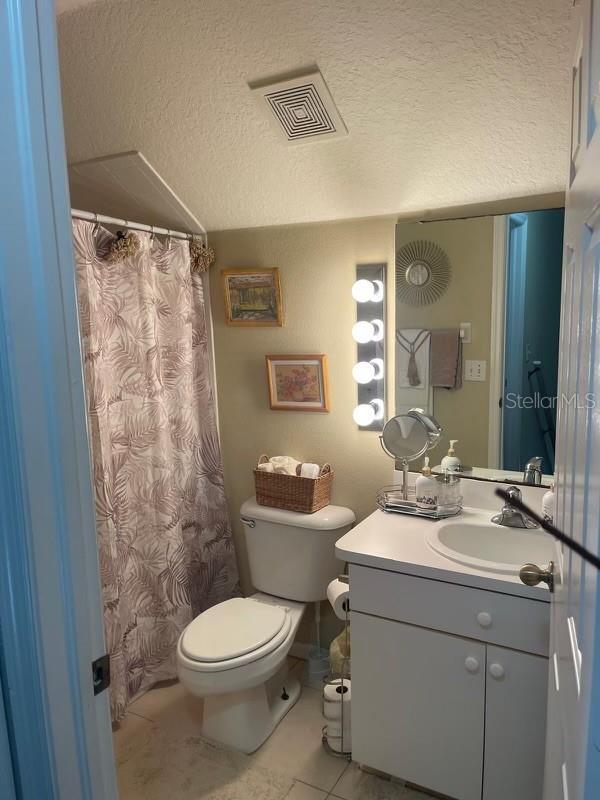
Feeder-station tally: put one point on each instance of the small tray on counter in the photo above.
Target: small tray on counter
(390, 499)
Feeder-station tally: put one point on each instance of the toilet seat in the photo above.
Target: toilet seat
(233, 633)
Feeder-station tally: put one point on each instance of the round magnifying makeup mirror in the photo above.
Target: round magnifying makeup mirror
(408, 437)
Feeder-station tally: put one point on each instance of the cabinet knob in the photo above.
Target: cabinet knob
(471, 664)
(484, 618)
(497, 671)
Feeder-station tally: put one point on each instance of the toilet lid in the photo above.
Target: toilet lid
(231, 629)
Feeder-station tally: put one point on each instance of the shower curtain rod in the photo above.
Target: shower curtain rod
(135, 226)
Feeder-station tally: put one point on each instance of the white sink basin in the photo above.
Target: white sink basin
(491, 547)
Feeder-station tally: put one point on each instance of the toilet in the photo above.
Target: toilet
(234, 655)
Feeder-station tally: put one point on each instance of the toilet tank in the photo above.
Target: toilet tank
(292, 555)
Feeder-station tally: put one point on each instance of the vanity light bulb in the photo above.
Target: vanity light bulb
(377, 364)
(366, 413)
(363, 332)
(363, 415)
(363, 372)
(378, 330)
(363, 290)
(377, 292)
(378, 407)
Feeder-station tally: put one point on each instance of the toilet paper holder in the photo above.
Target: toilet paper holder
(336, 743)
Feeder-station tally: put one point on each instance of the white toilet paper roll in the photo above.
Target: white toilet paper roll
(338, 743)
(335, 695)
(338, 594)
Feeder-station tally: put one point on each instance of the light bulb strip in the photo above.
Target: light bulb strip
(368, 333)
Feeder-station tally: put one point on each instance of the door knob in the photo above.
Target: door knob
(484, 618)
(531, 575)
(471, 664)
(497, 671)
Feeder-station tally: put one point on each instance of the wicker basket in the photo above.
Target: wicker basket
(292, 492)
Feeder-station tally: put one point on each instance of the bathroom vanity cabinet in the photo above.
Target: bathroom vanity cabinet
(449, 684)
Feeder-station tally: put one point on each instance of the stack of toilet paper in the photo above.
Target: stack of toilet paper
(286, 465)
(337, 697)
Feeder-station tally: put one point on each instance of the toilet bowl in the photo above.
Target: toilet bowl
(234, 655)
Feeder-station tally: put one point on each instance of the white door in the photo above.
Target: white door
(573, 745)
(418, 707)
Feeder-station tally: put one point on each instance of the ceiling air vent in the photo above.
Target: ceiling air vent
(301, 109)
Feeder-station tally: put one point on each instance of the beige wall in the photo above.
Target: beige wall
(462, 413)
(317, 264)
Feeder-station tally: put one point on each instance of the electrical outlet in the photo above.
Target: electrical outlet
(475, 370)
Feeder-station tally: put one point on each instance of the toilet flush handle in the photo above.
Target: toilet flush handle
(251, 523)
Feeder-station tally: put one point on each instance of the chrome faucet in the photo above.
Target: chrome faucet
(512, 518)
(533, 471)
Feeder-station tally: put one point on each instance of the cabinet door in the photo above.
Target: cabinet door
(418, 705)
(515, 725)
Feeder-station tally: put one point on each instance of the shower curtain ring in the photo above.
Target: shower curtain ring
(96, 227)
(151, 233)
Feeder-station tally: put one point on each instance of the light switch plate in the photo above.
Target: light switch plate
(475, 370)
(465, 332)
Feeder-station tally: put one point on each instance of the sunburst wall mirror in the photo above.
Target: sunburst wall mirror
(423, 272)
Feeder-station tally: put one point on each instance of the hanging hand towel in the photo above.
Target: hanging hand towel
(446, 359)
(412, 370)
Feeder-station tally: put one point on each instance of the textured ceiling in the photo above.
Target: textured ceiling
(447, 102)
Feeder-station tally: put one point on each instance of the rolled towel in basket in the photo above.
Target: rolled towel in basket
(309, 470)
(267, 467)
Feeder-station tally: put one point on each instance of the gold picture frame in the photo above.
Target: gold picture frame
(298, 382)
(252, 297)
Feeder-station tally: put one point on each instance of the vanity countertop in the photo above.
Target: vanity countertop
(398, 543)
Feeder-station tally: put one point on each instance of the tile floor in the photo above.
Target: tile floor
(160, 756)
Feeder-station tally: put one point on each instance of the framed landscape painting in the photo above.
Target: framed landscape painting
(298, 383)
(252, 297)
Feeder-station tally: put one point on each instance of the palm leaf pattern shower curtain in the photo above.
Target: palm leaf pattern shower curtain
(164, 535)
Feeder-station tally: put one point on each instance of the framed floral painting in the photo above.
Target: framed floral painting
(252, 297)
(298, 383)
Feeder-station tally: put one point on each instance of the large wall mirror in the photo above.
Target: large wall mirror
(477, 328)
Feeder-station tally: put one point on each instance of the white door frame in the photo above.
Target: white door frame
(50, 600)
(497, 342)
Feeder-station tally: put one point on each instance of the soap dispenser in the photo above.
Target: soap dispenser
(426, 488)
(451, 462)
(549, 504)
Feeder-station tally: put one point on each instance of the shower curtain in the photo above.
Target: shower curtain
(164, 535)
